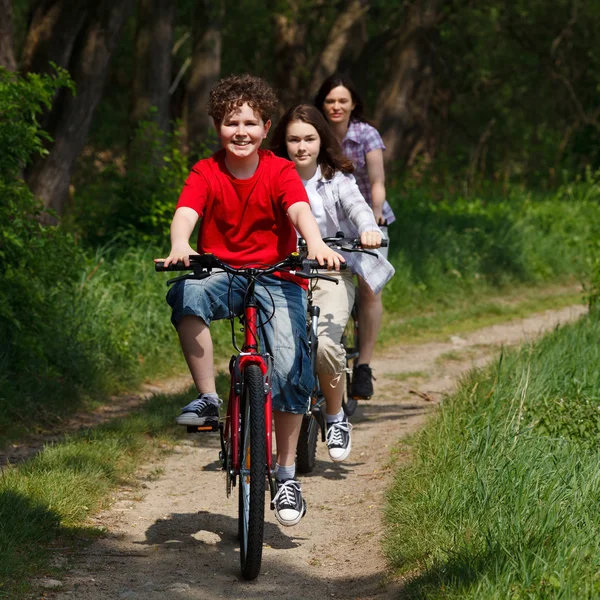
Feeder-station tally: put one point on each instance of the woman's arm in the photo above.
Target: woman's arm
(303, 220)
(356, 209)
(376, 172)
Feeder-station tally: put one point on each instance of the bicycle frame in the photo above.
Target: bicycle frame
(248, 355)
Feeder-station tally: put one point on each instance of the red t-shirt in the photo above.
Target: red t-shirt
(244, 221)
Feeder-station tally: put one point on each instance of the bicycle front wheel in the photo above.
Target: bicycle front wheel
(253, 453)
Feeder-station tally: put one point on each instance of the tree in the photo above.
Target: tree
(338, 40)
(405, 94)
(205, 70)
(7, 56)
(152, 75)
(87, 45)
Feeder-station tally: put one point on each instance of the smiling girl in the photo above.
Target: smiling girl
(304, 137)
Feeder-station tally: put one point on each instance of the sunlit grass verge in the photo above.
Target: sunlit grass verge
(44, 502)
(437, 320)
(500, 497)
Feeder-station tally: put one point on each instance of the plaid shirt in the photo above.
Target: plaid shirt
(360, 139)
(347, 209)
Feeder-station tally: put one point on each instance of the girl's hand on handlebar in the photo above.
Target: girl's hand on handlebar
(326, 255)
(178, 253)
(370, 239)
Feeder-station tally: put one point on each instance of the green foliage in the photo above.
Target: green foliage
(501, 498)
(71, 325)
(136, 204)
(37, 264)
(527, 75)
(22, 99)
(446, 246)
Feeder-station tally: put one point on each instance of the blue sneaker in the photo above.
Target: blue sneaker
(201, 411)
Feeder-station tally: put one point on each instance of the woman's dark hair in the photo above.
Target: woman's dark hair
(331, 157)
(334, 81)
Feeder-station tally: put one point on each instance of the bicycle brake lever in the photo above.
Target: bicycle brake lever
(188, 276)
(352, 249)
(303, 275)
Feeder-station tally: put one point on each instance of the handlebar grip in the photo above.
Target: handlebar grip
(311, 263)
(159, 267)
(384, 243)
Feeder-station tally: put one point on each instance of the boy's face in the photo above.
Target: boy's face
(242, 131)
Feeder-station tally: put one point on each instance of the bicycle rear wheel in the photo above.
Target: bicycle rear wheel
(350, 341)
(306, 450)
(253, 453)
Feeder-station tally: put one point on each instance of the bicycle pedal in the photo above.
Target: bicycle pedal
(207, 428)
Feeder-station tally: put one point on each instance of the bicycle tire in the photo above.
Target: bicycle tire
(252, 480)
(351, 343)
(306, 451)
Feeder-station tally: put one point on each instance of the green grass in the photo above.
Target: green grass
(500, 496)
(104, 327)
(45, 502)
(436, 321)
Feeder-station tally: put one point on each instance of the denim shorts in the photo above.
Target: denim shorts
(282, 319)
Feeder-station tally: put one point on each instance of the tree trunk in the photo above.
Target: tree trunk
(152, 72)
(151, 78)
(205, 71)
(290, 55)
(49, 177)
(54, 29)
(7, 55)
(337, 43)
(404, 100)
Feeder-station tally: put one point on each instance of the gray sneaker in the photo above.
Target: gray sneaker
(201, 411)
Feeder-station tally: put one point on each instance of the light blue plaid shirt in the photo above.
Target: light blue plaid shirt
(347, 208)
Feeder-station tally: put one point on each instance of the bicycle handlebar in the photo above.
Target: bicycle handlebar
(202, 265)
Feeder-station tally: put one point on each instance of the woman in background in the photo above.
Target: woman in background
(340, 103)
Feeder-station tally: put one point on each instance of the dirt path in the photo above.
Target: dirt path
(174, 536)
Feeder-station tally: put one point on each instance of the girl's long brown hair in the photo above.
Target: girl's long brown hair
(331, 157)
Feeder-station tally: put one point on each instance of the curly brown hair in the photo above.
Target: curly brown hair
(331, 157)
(235, 90)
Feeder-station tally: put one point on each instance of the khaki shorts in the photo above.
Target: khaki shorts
(335, 302)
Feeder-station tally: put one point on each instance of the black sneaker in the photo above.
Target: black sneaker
(362, 382)
(339, 440)
(288, 502)
(201, 411)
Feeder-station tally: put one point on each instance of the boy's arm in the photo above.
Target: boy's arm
(303, 220)
(182, 226)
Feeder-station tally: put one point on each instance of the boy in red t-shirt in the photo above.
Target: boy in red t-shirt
(250, 202)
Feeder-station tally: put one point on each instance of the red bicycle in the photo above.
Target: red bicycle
(246, 433)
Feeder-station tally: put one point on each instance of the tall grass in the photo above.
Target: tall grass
(448, 247)
(500, 499)
(109, 330)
